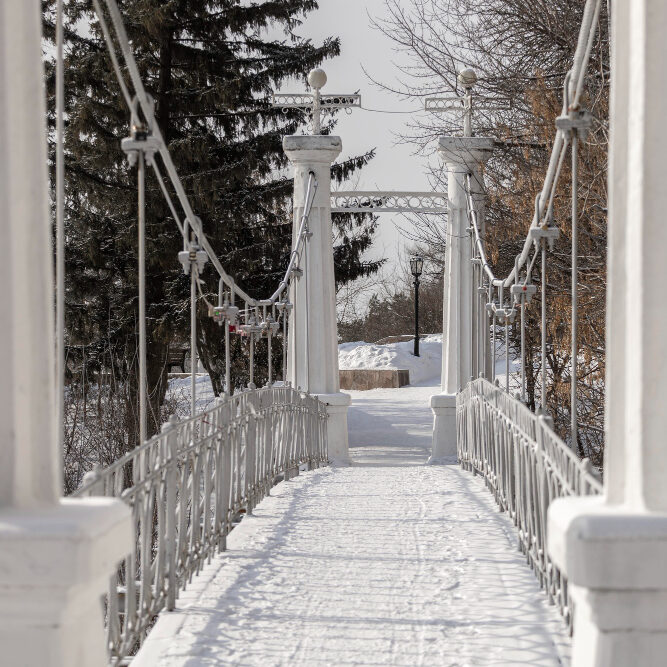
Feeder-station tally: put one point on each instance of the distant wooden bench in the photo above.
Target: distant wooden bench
(176, 357)
(364, 379)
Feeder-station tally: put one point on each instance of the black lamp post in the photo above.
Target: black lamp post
(416, 267)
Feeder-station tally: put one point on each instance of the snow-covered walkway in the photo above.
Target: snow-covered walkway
(388, 562)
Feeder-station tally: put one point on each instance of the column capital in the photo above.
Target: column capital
(319, 149)
(466, 152)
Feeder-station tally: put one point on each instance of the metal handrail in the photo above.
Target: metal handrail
(187, 487)
(526, 466)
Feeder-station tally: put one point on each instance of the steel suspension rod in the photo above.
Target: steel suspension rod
(60, 225)
(544, 327)
(575, 271)
(523, 348)
(141, 177)
(193, 339)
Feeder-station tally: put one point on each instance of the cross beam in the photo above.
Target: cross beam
(467, 79)
(388, 202)
(462, 104)
(317, 103)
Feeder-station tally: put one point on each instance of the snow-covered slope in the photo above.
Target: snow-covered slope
(427, 366)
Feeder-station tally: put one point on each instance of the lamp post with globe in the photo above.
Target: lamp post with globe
(467, 78)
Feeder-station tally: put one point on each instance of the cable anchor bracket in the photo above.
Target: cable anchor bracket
(527, 291)
(551, 234)
(575, 121)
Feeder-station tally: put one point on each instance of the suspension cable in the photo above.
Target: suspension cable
(572, 92)
(568, 130)
(147, 110)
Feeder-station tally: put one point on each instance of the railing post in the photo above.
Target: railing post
(57, 555)
(462, 155)
(170, 529)
(315, 367)
(613, 549)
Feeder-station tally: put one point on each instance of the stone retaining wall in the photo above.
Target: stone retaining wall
(364, 379)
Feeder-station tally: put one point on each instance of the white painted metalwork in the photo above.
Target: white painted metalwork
(56, 553)
(142, 105)
(316, 103)
(387, 201)
(307, 100)
(464, 156)
(526, 466)
(313, 339)
(189, 485)
(614, 548)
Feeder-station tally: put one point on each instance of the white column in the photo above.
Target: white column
(614, 548)
(55, 555)
(313, 332)
(462, 155)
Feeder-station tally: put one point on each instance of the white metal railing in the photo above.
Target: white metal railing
(526, 466)
(187, 487)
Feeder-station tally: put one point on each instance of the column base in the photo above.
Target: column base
(55, 564)
(337, 437)
(444, 430)
(615, 563)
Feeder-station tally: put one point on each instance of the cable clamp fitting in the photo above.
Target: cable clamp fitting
(551, 234)
(503, 315)
(253, 327)
(528, 291)
(579, 121)
(195, 255)
(140, 141)
(226, 313)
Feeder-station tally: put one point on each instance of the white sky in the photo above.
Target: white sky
(362, 47)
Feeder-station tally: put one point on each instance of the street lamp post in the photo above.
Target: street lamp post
(416, 267)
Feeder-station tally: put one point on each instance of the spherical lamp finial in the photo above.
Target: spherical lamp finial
(317, 78)
(467, 77)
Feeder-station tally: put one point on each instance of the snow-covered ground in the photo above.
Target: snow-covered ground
(395, 355)
(179, 393)
(424, 370)
(387, 562)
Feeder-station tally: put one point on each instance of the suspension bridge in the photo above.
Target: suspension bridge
(293, 523)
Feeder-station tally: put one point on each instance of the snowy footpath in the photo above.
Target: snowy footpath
(387, 562)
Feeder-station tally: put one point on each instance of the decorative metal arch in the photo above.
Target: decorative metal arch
(388, 202)
(307, 101)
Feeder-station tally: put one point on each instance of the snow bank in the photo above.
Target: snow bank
(179, 395)
(352, 356)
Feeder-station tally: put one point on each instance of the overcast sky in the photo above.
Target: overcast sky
(362, 47)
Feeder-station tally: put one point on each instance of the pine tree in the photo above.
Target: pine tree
(210, 66)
